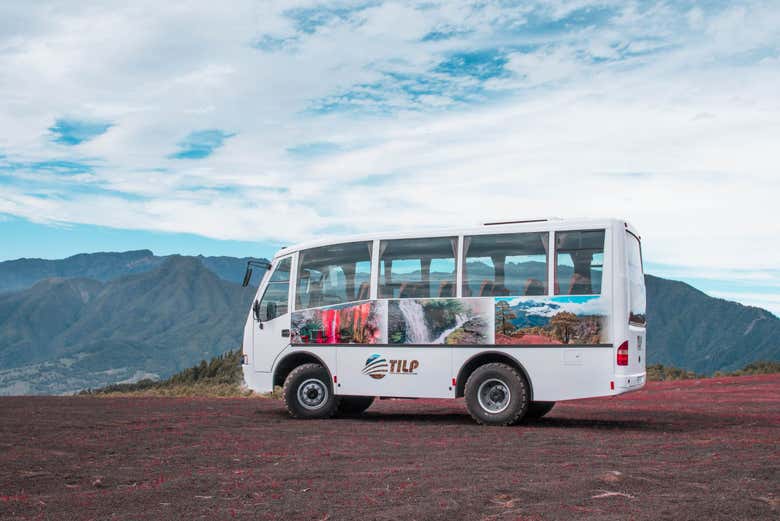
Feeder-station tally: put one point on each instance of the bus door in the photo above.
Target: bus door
(271, 317)
(637, 312)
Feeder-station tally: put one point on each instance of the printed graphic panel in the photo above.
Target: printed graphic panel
(440, 321)
(354, 323)
(557, 320)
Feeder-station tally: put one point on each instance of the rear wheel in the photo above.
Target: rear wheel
(308, 393)
(496, 394)
(538, 409)
(354, 405)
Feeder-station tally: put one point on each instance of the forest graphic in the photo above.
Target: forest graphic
(560, 320)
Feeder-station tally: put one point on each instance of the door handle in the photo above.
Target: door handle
(285, 333)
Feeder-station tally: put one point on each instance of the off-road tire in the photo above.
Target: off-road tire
(518, 399)
(319, 376)
(354, 405)
(538, 409)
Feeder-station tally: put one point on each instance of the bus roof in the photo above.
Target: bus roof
(525, 225)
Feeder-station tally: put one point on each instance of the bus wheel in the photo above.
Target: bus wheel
(308, 393)
(354, 405)
(496, 394)
(538, 409)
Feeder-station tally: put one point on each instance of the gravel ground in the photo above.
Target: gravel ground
(696, 449)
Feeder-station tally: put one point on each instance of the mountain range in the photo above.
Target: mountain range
(96, 319)
(142, 316)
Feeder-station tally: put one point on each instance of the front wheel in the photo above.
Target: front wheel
(308, 393)
(496, 394)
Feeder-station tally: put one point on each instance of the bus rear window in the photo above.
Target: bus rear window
(636, 282)
(579, 260)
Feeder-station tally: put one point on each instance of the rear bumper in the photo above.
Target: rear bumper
(630, 382)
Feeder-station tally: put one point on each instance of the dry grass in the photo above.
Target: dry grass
(204, 390)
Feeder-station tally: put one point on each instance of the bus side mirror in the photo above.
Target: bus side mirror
(271, 311)
(247, 277)
(256, 312)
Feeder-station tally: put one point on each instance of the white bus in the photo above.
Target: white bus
(513, 316)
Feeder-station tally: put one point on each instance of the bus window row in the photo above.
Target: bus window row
(513, 264)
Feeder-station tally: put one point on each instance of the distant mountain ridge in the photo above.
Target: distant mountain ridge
(62, 335)
(103, 266)
(96, 319)
(688, 328)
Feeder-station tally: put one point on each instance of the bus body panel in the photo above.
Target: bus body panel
(555, 372)
(259, 382)
(395, 371)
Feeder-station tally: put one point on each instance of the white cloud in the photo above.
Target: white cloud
(761, 300)
(667, 118)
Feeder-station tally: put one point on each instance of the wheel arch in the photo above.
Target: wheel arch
(292, 360)
(488, 357)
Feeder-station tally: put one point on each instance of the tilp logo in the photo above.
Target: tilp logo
(376, 367)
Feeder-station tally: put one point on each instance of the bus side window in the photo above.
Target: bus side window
(505, 264)
(333, 274)
(417, 268)
(276, 295)
(579, 261)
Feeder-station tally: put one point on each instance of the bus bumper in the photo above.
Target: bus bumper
(630, 382)
(258, 382)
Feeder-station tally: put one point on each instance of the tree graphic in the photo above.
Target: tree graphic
(564, 325)
(504, 316)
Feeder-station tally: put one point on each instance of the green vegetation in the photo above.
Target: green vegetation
(221, 376)
(658, 372)
(760, 367)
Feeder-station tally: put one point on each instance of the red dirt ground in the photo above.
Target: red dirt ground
(698, 449)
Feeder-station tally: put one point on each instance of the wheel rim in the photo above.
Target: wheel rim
(312, 394)
(494, 395)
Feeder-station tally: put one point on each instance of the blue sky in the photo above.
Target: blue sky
(274, 122)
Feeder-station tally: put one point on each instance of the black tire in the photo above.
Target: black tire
(308, 393)
(538, 409)
(497, 406)
(354, 405)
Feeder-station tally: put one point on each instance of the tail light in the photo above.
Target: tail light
(622, 354)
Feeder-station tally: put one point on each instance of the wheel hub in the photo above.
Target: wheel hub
(494, 395)
(312, 394)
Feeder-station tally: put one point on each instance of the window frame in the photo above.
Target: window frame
(296, 264)
(462, 264)
(555, 289)
(456, 275)
(292, 258)
(628, 284)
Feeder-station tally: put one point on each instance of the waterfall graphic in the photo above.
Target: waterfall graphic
(414, 318)
(460, 319)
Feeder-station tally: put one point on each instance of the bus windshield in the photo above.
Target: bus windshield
(636, 282)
